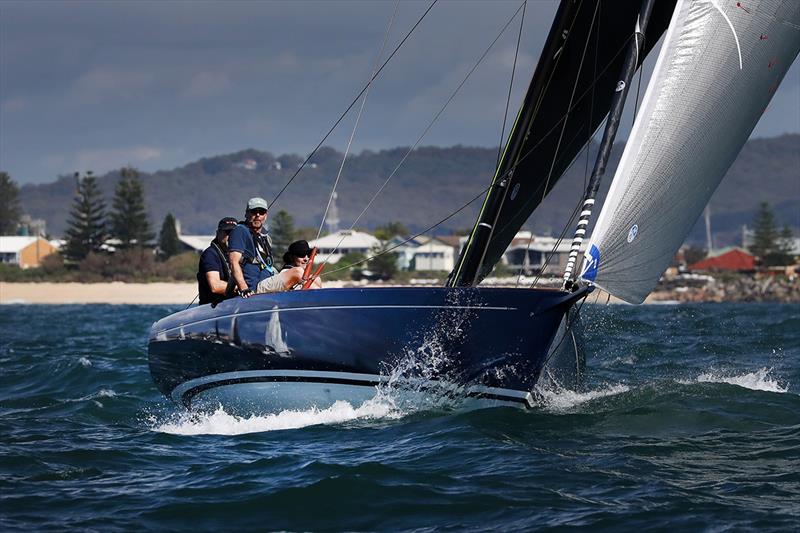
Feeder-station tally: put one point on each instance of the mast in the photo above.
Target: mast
(633, 57)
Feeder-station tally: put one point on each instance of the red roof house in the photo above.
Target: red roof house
(727, 260)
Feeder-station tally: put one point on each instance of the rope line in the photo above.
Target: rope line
(346, 111)
(423, 232)
(358, 117)
(425, 132)
(511, 85)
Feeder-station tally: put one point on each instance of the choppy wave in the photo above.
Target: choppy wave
(759, 380)
(674, 413)
(561, 399)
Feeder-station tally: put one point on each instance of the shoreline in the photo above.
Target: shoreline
(182, 293)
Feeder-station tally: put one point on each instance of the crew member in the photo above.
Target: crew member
(250, 250)
(214, 280)
(294, 265)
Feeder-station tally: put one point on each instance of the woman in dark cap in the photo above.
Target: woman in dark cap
(298, 255)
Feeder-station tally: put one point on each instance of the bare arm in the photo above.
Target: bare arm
(216, 285)
(236, 270)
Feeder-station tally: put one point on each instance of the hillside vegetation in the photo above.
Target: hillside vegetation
(431, 184)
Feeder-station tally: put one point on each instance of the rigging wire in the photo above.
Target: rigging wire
(561, 136)
(423, 232)
(346, 111)
(591, 103)
(511, 84)
(358, 117)
(569, 107)
(426, 130)
(553, 128)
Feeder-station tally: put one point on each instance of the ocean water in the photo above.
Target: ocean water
(690, 419)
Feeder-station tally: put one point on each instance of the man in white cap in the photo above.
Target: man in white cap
(250, 249)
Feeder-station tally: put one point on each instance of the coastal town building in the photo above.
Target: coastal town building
(195, 243)
(535, 254)
(732, 259)
(336, 245)
(424, 253)
(25, 252)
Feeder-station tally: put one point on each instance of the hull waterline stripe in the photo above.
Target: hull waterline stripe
(185, 392)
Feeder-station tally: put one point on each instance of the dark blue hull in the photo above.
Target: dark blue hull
(310, 348)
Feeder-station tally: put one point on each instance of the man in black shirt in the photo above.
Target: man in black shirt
(214, 278)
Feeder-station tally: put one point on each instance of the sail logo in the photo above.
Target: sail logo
(591, 262)
(633, 232)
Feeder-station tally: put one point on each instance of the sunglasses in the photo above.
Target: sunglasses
(258, 212)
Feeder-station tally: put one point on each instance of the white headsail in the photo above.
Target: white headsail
(718, 68)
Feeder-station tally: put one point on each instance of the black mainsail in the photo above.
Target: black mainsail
(567, 99)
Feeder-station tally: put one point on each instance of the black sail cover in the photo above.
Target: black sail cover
(568, 98)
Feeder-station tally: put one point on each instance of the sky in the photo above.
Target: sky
(96, 85)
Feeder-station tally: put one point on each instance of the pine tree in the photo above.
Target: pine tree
(281, 229)
(383, 264)
(391, 230)
(785, 246)
(9, 205)
(86, 229)
(128, 220)
(765, 234)
(168, 242)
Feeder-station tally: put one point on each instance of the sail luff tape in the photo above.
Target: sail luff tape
(485, 225)
(590, 201)
(583, 222)
(586, 213)
(580, 231)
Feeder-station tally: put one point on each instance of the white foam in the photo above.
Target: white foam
(221, 423)
(561, 399)
(85, 361)
(758, 380)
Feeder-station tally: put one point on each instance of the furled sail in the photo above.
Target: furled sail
(718, 68)
(567, 99)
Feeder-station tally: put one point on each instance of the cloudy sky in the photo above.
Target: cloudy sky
(93, 85)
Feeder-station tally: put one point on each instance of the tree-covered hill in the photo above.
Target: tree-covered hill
(432, 183)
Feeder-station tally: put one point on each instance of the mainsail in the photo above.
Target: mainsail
(567, 99)
(718, 68)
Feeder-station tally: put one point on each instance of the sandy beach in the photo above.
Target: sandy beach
(97, 293)
(116, 293)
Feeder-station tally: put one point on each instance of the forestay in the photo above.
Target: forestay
(718, 68)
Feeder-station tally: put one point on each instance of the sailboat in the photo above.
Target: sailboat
(717, 69)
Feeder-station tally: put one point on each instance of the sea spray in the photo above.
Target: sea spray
(423, 378)
(220, 422)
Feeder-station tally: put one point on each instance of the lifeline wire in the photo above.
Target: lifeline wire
(358, 117)
(341, 117)
(427, 128)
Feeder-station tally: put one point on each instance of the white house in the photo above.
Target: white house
(424, 253)
(344, 242)
(530, 253)
(196, 243)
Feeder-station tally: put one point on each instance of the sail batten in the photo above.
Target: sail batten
(716, 73)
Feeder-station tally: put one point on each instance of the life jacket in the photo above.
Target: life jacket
(225, 275)
(262, 243)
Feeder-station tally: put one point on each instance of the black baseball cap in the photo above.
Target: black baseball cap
(226, 224)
